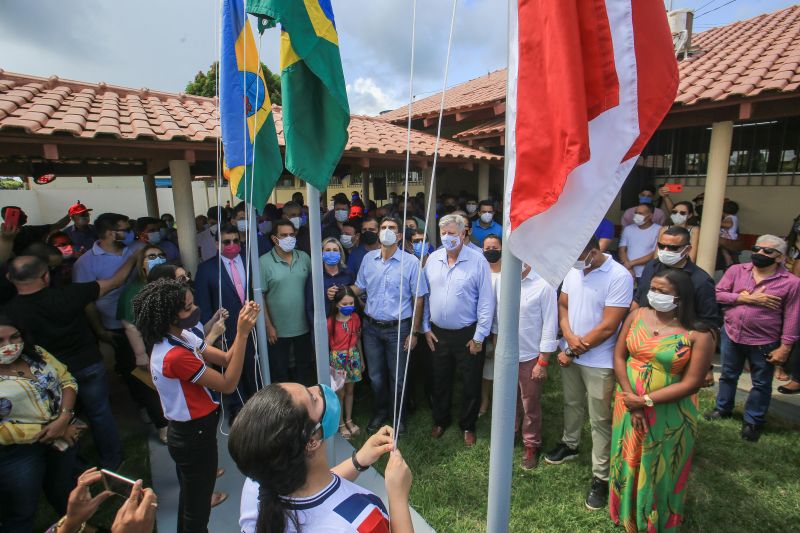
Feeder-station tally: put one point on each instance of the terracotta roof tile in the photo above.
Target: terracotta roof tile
(487, 128)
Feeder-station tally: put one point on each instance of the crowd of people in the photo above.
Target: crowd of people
(633, 331)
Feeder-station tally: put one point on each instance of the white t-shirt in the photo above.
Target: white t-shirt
(610, 285)
(496, 291)
(538, 318)
(342, 506)
(639, 242)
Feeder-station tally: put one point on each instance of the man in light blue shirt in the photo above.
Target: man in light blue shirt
(389, 277)
(458, 317)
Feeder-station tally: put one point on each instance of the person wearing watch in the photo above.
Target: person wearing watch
(279, 441)
(660, 361)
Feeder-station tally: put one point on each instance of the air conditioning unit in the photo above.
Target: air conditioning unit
(680, 24)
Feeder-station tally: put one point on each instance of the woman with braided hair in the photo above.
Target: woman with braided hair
(164, 311)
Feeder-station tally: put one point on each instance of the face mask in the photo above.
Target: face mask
(265, 227)
(331, 412)
(418, 249)
(190, 321)
(296, 222)
(761, 260)
(155, 262)
(678, 219)
(127, 239)
(170, 224)
(493, 256)
(213, 230)
(231, 250)
(66, 250)
(10, 352)
(346, 240)
(638, 219)
(471, 208)
(451, 242)
(154, 237)
(582, 265)
(670, 258)
(163, 232)
(303, 219)
(487, 217)
(645, 200)
(341, 215)
(331, 258)
(661, 302)
(369, 238)
(241, 225)
(347, 310)
(388, 237)
(287, 244)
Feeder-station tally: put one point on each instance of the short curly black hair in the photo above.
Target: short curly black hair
(156, 308)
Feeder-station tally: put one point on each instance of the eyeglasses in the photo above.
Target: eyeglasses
(675, 212)
(671, 247)
(156, 256)
(768, 251)
(226, 242)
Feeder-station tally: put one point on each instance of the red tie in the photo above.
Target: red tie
(237, 281)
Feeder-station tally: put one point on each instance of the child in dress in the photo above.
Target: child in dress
(344, 338)
(729, 244)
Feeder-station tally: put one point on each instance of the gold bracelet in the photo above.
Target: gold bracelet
(61, 523)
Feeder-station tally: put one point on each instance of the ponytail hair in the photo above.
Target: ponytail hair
(268, 444)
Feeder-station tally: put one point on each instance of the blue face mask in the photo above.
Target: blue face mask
(418, 248)
(330, 413)
(645, 199)
(155, 262)
(331, 258)
(303, 219)
(128, 239)
(347, 310)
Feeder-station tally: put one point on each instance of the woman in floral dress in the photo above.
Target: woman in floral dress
(660, 362)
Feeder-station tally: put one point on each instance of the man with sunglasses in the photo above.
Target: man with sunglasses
(762, 324)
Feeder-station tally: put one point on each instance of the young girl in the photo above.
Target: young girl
(344, 334)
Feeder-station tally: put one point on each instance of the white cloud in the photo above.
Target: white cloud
(366, 98)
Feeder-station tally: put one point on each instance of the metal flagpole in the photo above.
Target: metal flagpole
(506, 366)
(262, 351)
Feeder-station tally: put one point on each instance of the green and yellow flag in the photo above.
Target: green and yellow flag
(315, 108)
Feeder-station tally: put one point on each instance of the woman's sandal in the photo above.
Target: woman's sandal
(354, 429)
(218, 497)
(345, 432)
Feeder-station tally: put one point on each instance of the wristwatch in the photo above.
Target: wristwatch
(356, 464)
(568, 352)
(477, 343)
(648, 401)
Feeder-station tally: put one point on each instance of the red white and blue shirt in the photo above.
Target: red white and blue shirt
(176, 364)
(342, 506)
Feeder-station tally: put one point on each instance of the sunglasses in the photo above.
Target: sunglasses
(671, 247)
(156, 256)
(768, 251)
(226, 242)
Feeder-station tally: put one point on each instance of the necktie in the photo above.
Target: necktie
(237, 281)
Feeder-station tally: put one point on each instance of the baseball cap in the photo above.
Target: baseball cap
(78, 209)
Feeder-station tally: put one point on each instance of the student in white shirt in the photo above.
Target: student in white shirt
(278, 441)
(638, 241)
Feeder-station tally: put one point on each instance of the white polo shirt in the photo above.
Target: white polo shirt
(639, 242)
(611, 285)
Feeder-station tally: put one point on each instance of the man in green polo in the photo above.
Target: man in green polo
(284, 272)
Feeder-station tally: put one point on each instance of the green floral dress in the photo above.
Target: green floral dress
(650, 468)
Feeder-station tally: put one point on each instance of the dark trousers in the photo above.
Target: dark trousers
(761, 371)
(386, 372)
(793, 365)
(193, 447)
(26, 469)
(142, 395)
(280, 358)
(94, 405)
(451, 352)
(249, 382)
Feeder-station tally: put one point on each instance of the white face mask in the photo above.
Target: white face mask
(154, 237)
(241, 225)
(678, 219)
(487, 217)
(670, 258)
(638, 219)
(661, 302)
(341, 215)
(471, 208)
(387, 237)
(583, 264)
(10, 353)
(451, 242)
(346, 240)
(287, 243)
(295, 222)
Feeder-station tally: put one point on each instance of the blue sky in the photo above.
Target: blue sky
(161, 44)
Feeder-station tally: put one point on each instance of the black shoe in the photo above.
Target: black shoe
(716, 414)
(376, 423)
(561, 454)
(598, 495)
(751, 432)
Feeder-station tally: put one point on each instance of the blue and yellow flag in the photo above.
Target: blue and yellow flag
(253, 161)
(315, 109)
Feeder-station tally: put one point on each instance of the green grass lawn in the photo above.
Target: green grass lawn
(735, 485)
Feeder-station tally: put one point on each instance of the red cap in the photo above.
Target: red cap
(78, 209)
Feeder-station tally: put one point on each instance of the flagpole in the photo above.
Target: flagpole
(262, 353)
(506, 365)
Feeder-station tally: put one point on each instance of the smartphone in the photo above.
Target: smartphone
(12, 218)
(117, 484)
(674, 187)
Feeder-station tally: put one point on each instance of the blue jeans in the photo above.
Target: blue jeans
(733, 357)
(93, 398)
(26, 469)
(380, 351)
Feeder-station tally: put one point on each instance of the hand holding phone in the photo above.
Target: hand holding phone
(674, 187)
(11, 219)
(117, 484)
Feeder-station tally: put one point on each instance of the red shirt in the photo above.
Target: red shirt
(344, 335)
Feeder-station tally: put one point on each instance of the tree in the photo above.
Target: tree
(205, 83)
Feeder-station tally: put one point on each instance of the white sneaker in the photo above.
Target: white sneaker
(162, 435)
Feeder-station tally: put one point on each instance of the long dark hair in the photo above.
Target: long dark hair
(156, 308)
(344, 290)
(684, 291)
(791, 239)
(29, 347)
(162, 271)
(268, 444)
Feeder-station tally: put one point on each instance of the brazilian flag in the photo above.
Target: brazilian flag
(253, 161)
(315, 108)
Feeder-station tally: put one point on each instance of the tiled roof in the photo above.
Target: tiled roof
(491, 127)
(50, 106)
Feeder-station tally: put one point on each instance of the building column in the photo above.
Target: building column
(150, 195)
(430, 196)
(365, 185)
(184, 212)
(483, 181)
(719, 154)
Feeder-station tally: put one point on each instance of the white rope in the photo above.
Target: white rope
(430, 197)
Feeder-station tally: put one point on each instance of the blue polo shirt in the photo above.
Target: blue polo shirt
(98, 264)
(479, 232)
(355, 258)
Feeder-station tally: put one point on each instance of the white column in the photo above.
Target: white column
(150, 195)
(365, 183)
(483, 181)
(430, 199)
(719, 154)
(184, 212)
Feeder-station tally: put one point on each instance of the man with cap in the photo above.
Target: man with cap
(81, 233)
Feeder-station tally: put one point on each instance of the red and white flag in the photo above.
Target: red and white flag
(589, 83)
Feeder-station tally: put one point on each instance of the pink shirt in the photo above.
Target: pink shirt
(755, 325)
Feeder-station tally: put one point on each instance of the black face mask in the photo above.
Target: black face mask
(190, 321)
(761, 260)
(369, 237)
(493, 256)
